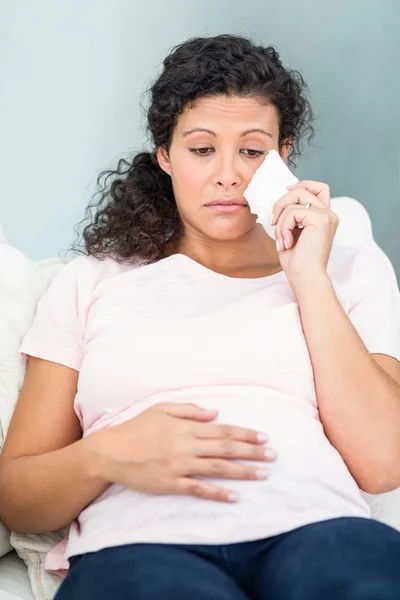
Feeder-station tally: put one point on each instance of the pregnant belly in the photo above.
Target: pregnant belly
(308, 474)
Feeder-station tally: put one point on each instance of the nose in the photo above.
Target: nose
(227, 173)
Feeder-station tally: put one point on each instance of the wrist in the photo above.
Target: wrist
(309, 283)
(97, 465)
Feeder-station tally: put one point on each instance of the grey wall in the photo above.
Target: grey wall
(72, 75)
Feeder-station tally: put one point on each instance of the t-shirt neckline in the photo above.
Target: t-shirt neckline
(207, 273)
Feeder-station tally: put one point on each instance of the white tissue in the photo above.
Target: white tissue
(268, 184)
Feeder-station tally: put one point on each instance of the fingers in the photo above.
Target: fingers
(223, 469)
(227, 448)
(319, 189)
(193, 487)
(187, 410)
(298, 196)
(293, 216)
(229, 432)
(159, 480)
(296, 214)
(192, 411)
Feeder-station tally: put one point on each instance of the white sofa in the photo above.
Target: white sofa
(14, 580)
(355, 230)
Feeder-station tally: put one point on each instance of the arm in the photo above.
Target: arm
(359, 402)
(48, 474)
(46, 492)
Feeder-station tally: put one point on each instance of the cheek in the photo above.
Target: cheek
(188, 176)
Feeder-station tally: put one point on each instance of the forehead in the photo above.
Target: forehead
(224, 114)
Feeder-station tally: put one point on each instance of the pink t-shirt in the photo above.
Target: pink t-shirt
(175, 331)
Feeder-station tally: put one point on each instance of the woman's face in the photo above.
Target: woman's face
(218, 163)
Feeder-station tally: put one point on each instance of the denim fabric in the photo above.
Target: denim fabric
(347, 558)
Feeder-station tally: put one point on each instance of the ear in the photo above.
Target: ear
(284, 151)
(163, 159)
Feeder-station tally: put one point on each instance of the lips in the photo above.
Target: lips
(227, 203)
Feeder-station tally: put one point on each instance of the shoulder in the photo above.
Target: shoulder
(94, 268)
(348, 264)
(80, 276)
(364, 276)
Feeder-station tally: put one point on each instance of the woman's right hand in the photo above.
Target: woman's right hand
(163, 448)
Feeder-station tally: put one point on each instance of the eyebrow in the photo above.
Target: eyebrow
(255, 130)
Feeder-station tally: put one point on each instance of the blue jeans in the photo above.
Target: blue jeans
(347, 558)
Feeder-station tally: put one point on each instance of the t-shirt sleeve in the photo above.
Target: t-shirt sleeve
(375, 303)
(57, 330)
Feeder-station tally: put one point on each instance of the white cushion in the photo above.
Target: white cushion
(5, 544)
(355, 229)
(32, 549)
(14, 580)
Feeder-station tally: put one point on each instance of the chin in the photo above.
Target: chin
(227, 233)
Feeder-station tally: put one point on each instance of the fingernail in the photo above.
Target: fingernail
(262, 437)
(261, 473)
(270, 453)
(232, 497)
(286, 244)
(278, 246)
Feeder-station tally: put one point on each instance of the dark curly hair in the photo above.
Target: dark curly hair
(136, 214)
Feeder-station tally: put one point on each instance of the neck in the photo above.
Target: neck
(244, 260)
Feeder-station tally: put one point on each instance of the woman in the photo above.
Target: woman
(184, 349)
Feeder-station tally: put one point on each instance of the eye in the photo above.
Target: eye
(257, 153)
(199, 152)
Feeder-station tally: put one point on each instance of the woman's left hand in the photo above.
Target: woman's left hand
(307, 250)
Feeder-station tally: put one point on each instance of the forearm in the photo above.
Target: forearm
(46, 492)
(359, 403)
